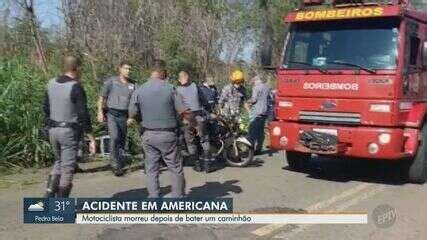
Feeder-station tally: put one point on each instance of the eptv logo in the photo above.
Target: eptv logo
(384, 216)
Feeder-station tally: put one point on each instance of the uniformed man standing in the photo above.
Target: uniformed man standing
(194, 99)
(157, 105)
(67, 116)
(259, 110)
(115, 96)
(233, 95)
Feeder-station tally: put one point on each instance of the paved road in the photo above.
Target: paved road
(266, 186)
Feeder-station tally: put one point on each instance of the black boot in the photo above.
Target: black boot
(64, 192)
(207, 162)
(52, 186)
(118, 172)
(207, 165)
(197, 163)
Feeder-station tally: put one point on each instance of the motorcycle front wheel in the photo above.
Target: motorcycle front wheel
(239, 154)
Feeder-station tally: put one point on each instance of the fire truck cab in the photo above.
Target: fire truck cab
(352, 82)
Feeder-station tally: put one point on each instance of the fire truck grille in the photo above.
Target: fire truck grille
(329, 117)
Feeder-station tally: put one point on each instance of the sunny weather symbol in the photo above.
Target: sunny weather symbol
(38, 207)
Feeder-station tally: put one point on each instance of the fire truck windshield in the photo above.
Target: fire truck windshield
(351, 44)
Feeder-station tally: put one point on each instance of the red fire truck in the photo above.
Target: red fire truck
(353, 83)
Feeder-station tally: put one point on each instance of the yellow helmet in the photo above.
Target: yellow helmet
(237, 77)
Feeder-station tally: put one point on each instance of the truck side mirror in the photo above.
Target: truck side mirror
(266, 53)
(425, 54)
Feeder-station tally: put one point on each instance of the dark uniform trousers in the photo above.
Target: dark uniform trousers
(162, 145)
(256, 132)
(65, 146)
(117, 130)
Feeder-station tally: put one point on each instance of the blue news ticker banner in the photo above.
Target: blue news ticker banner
(64, 210)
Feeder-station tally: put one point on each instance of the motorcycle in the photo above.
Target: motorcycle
(227, 141)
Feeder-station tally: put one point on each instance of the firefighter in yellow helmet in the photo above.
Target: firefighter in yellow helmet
(233, 95)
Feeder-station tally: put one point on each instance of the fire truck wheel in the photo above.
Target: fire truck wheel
(297, 161)
(417, 172)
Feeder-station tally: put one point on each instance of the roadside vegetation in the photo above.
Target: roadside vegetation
(205, 37)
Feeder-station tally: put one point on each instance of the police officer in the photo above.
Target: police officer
(233, 95)
(157, 105)
(67, 116)
(259, 110)
(115, 95)
(194, 99)
(210, 92)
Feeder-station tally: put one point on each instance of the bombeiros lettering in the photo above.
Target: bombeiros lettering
(339, 13)
(331, 86)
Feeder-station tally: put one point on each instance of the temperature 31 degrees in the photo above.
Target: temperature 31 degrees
(60, 205)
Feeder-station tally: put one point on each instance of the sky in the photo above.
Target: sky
(47, 11)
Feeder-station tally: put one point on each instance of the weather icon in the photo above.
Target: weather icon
(38, 207)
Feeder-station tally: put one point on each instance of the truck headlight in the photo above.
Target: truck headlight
(373, 148)
(384, 138)
(277, 131)
(380, 108)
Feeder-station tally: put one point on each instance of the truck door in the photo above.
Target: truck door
(412, 83)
